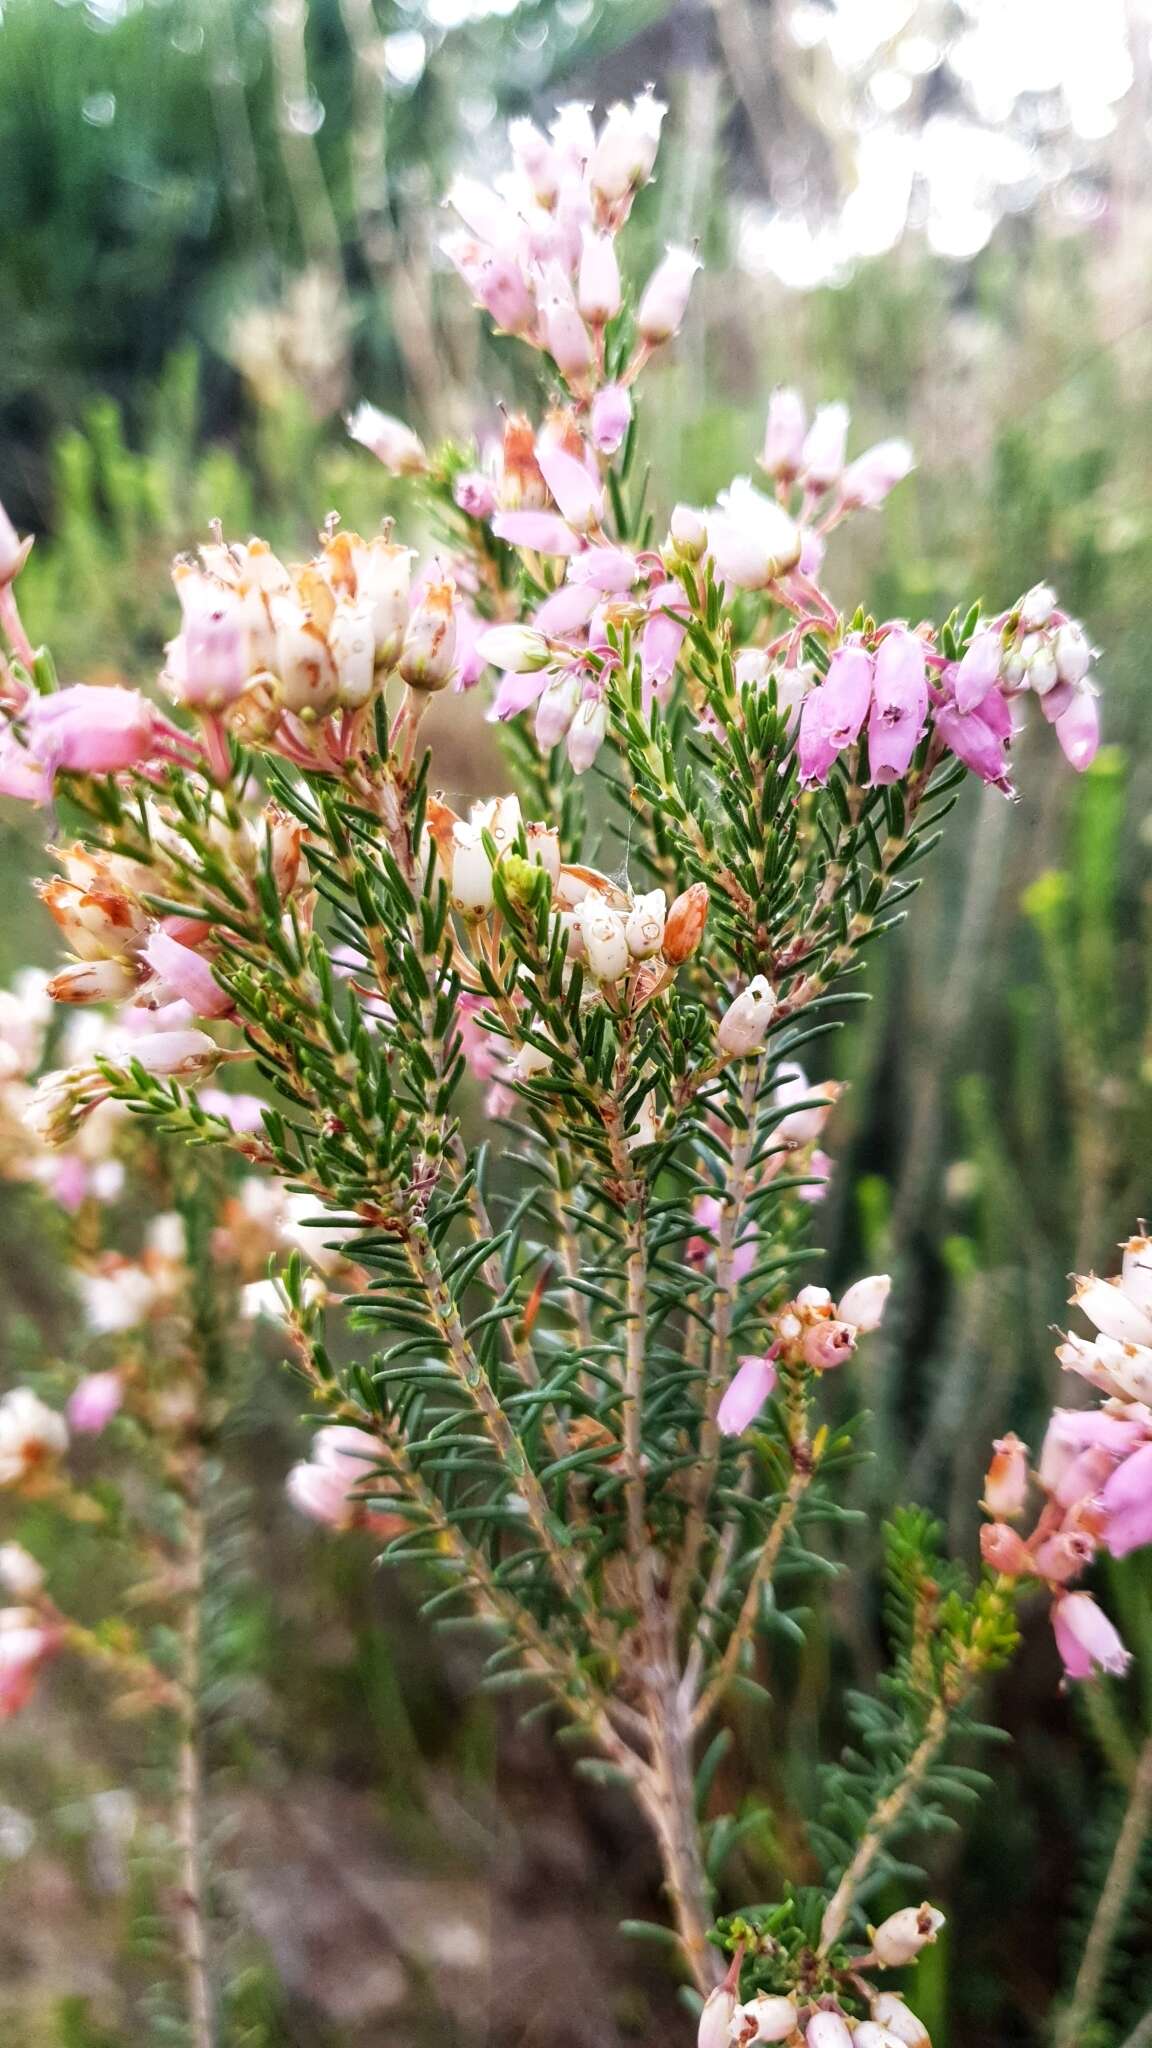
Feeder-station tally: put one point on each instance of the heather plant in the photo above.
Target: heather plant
(592, 1406)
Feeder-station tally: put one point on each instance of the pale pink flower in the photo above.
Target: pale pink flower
(1078, 729)
(865, 1301)
(784, 434)
(979, 669)
(1127, 1497)
(748, 1389)
(545, 533)
(579, 495)
(1004, 1550)
(389, 440)
(94, 1401)
(899, 705)
(25, 1644)
(186, 975)
(832, 715)
(610, 418)
(90, 729)
(827, 1344)
(899, 1939)
(753, 541)
(1007, 1478)
(664, 300)
(822, 457)
(744, 1026)
(475, 494)
(1086, 1639)
(867, 481)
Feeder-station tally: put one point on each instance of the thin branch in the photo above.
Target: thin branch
(192, 1910)
(1134, 1830)
(885, 1817)
(761, 1577)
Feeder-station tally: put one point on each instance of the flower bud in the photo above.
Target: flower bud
(750, 1386)
(587, 733)
(626, 149)
(684, 925)
(21, 1574)
(517, 648)
(556, 709)
(1003, 1550)
(827, 2030)
(610, 418)
(598, 283)
(867, 481)
(94, 1401)
(605, 940)
(579, 494)
(822, 459)
(14, 552)
(94, 981)
(865, 1302)
(644, 926)
(1006, 1480)
(1073, 653)
(900, 1938)
(767, 2018)
(716, 2018)
(569, 342)
(1036, 607)
(688, 532)
(784, 434)
(389, 440)
(428, 657)
(664, 300)
(744, 1026)
(890, 2011)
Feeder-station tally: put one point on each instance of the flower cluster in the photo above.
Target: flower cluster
(1094, 1471)
(812, 1332)
(830, 2019)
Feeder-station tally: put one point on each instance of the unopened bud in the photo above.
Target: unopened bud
(889, 2010)
(14, 552)
(744, 1027)
(684, 925)
(827, 2030)
(688, 532)
(21, 1574)
(716, 2018)
(1006, 1480)
(900, 1938)
(428, 656)
(664, 301)
(518, 648)
(864, 1303)
(392, 443)
(1003, 1550)
(471, 883)
(1036, 607)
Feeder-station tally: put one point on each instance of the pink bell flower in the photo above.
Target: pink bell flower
(1086, 1639)
(973, 739)
(750, 1386)
(979, 669)
(608, 571)
(610, 418)
(784, 434)
(187, 975)
(831, 715)
(866, 482)
(577, 492)
(664, 300)
(1127, 1497)
(90, 729)
(1078, 729)
(545, 533)
(899, 706)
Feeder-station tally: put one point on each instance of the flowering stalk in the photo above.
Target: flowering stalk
(592, 1409)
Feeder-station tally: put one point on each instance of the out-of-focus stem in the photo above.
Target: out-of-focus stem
(189, 1816)
(1134, 1830)
(668, 1797)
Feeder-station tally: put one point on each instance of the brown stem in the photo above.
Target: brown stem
(1081, 2009)
(668, 1796)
